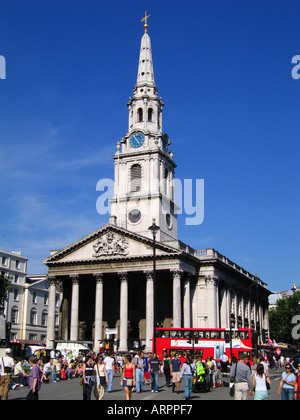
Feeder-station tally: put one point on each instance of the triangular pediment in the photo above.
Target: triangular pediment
(109, 242)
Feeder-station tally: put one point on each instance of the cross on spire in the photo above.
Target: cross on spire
(145, 20)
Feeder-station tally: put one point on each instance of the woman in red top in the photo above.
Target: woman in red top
(297, 387)
(128, 377)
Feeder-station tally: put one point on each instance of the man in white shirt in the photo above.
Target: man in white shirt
(109, 365)
(6, 365)
(48, 370)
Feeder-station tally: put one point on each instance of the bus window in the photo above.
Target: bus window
(186, 334)
(215, 334)
(188, 353)
(175, 334)
(206, 334)
(201, 334)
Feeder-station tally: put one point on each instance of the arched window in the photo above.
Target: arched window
(14, 315)
(140, 115)
(135, 178)
(150, 114)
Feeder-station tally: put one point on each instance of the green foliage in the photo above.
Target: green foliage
(281, 325)
(5, 285)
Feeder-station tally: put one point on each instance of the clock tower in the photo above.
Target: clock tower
(144, 166)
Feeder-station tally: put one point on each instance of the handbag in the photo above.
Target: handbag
(102, 379)
(7, 369)
(129, 381)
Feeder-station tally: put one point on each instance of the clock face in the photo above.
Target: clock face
(134, 216)
(136, 140)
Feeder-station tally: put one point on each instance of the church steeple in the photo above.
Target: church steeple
(144, 166)
(145, 107)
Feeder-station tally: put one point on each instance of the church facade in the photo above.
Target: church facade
(107, 277)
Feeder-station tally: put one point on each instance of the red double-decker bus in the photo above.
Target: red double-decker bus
(204, 342)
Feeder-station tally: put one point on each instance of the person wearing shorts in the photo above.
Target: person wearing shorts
(175, 372)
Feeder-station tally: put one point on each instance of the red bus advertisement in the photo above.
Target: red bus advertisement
(204, 342)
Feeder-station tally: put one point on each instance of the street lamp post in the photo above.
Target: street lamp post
(154, 229)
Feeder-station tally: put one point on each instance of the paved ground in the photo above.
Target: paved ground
(71, 390)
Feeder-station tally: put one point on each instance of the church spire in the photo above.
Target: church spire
(145, 71)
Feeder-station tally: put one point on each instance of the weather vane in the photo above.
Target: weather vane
(145, 20)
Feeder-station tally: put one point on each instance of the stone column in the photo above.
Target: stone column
(177, 298)
(75, 307)
(149, 310)
(98, 311)
(187, 303)
(51, 312)
(224, 308)
(123, 346)
(212, 284)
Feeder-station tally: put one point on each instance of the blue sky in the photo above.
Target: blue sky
(223, 69)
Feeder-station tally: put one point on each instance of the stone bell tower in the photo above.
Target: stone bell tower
(144, 166)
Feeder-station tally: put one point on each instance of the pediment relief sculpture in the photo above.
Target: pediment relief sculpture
(110, 245)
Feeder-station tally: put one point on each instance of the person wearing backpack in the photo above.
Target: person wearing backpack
(167, 369)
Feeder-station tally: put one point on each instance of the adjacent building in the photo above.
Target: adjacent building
(24, 315)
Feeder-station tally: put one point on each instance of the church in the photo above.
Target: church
(112, 286)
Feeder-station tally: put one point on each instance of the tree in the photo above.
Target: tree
(5, 285)
(281, 325)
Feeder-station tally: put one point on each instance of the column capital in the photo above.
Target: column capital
(123, 276)
(98, 277)
(149, 274)
(74, 278)
(53, 281)
(212, 280)
(177, 272)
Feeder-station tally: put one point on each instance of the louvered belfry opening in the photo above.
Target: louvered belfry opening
(136, 178)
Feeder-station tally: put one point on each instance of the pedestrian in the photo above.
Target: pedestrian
(210, 367)
(187, 372)
(49, 371)
(20, 373)
(287, 384)
(101, 378)
(224, 363)
(109, 364)
(155, 370)
(34, 379)
(140, 365)
(147, 369)
(6, 365)
(240, 375)
(167, 369)
(87, 378)
(259, 383)
(128, 376)
(297, 387)
(175, 372)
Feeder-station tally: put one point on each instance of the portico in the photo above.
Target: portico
(116, 291)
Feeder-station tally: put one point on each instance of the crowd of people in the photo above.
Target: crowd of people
(97, 373)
